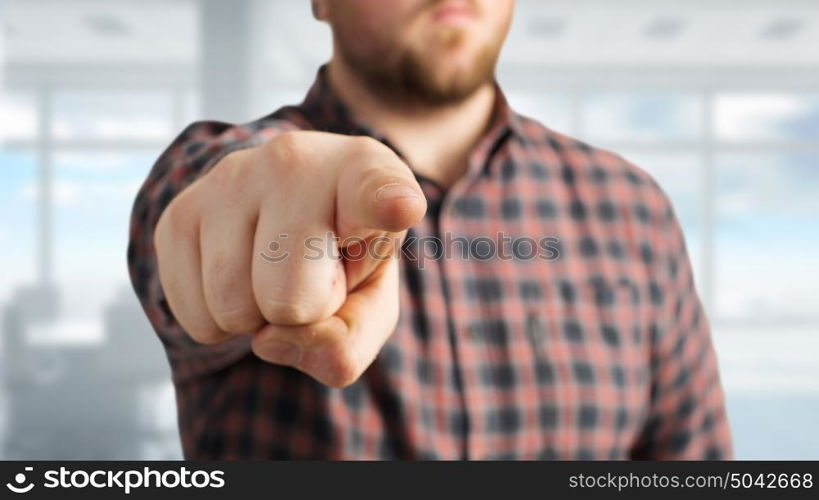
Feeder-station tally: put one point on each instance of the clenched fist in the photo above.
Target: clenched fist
(324, 315)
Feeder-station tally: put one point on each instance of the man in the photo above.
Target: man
(596, 348)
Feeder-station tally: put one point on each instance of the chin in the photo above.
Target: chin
(451, 60)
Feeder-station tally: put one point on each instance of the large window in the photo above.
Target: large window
(644, 117)
(17, 218)
(94, 191)
(103, 115)
(790, 117)
(18, 167)
(19, 111)
(96, 147)
(767, 238)
(553, 109)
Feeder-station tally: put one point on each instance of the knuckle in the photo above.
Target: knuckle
(287, 156)
(286, 148)
(290, 311)
(230, 180)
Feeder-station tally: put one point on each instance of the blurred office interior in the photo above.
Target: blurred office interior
(718, 99)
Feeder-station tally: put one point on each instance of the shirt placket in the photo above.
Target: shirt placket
(466, 330)
(446, 397)
(460, 331)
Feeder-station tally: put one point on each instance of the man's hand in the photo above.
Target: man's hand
(324, 315)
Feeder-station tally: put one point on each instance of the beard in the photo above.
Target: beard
(416, 76)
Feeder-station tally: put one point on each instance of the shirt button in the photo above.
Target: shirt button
(535, 331)
(473, 332)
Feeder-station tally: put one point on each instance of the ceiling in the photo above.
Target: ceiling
(713, 32)
(100, 31)
(545, 32)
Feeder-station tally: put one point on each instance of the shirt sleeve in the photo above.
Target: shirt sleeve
(686, 418)
(191, 155)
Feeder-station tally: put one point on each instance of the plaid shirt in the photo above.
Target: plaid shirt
(601, 350)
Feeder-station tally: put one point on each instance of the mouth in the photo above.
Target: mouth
(454, 13)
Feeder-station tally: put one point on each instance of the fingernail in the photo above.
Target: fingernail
(394, 192)
(283, 353)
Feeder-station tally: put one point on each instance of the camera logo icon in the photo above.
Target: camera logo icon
(20, 479)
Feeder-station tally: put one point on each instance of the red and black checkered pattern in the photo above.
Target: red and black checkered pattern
(601, 353)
